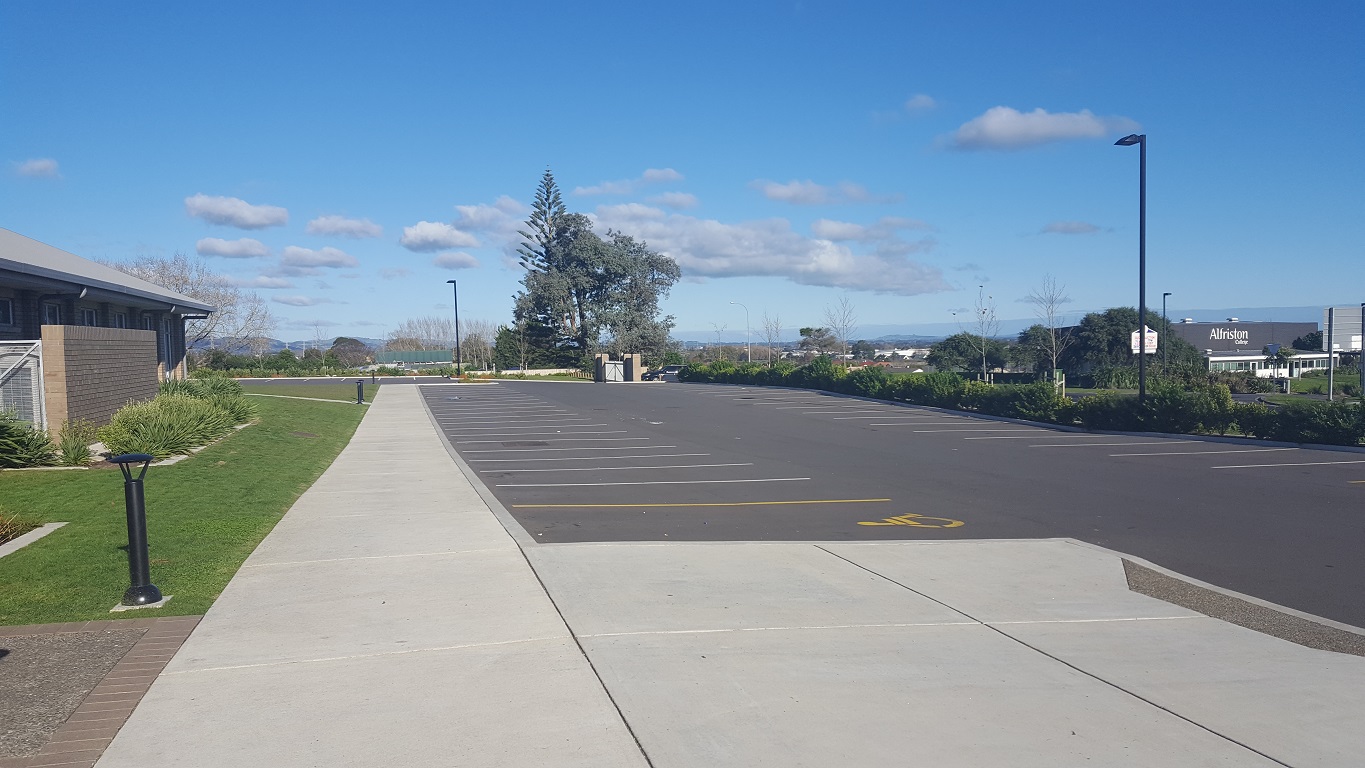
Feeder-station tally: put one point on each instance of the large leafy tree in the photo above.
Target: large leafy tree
(582, 293)
(962, 352)
(1105, 339)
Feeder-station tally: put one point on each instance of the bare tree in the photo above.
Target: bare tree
(985, 325)
(240, 316)
(720, 342)
(422, 333)
(1047, 301)
(772, 332)
(843, 322)
(476, 341)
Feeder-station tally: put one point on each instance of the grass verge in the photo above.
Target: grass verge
(330, 391)
(204, 516)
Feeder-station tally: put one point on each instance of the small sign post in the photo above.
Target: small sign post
(1149, 342)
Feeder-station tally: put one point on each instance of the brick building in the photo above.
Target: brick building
(79, 339)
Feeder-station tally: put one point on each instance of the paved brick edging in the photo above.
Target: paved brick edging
(82, 739)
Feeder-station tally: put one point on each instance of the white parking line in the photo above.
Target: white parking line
(558, 439)
(1304, 464)
(527, 426)
(925, 431)
(537, 434)
(651, 482)
(542, 450)
(884, 416)
(943, 424)
(616, 469)
(1105, 445)
(515, 420)
(1197, 453)
(593, 458)
(1059, 436)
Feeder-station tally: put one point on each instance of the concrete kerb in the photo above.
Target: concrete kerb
(1222, 590)
(1232, 440)
(509, 523)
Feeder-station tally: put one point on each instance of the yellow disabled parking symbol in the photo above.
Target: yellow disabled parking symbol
(918, 521)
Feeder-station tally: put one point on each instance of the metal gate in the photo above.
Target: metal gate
(21, 381)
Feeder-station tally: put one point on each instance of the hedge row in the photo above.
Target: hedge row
(1169, 407)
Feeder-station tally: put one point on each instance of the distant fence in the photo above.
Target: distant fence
(415, 356)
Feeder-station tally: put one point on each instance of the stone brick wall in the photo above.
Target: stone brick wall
(89, 372)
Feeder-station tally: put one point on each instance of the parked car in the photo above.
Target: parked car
(666, 373)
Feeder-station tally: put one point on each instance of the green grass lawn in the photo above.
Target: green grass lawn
(204, 516)
(340, 390)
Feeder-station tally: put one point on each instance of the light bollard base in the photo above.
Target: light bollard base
(122, 607)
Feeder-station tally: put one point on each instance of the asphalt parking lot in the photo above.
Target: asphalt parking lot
(683, 462)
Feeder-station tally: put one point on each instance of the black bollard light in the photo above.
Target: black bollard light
(141, 591)
(359, 391)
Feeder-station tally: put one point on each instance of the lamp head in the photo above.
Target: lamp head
(450, 281)
(1131, 139)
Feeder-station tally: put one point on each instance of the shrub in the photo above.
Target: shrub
(1040, 402)
(1110, 410)
(943, 389)
(1336, 423)
(74, 442)
(871, 381)
(167, 425)
(21, 445)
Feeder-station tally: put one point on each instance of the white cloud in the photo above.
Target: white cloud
(232, 212)
(394, 272)
(809, 193)
(676, 200)
(425, 236)
(458, 260)
(1007, 128)
(245, 248)
(920, 102)
(709, 248)
(294, 256)
(38, 168)
(1070, 228)
(629, 186)
(884, 230)
(264, 281)
(300, 301)
(340, 226)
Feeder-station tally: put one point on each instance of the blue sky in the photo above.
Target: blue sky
(344, 160)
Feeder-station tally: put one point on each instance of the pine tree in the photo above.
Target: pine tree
(546, 213)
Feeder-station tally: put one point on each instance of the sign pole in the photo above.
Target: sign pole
(1331, 369)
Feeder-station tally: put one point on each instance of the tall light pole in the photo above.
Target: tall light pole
(1165, 330)
(459, 358)
(1140, 139)
(748, 355)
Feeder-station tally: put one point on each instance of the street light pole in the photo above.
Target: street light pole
(748, 353)
(459, 353)
(1140, 139)
(1166, 331)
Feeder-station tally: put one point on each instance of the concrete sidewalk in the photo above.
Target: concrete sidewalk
(391, 619)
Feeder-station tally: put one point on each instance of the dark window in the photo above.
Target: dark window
(52, 314)
(6, 312)
(120, 320)
(88, 316)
